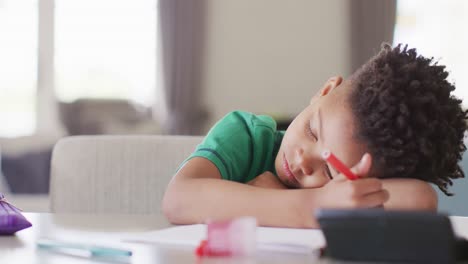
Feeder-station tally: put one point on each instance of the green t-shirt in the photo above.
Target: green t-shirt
(241, 145)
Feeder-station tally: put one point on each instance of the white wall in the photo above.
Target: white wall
(271, 56)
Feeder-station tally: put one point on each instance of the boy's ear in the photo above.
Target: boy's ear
(331, 84)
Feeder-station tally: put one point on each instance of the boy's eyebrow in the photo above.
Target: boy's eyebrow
(321, 135)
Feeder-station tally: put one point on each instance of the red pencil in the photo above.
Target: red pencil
(335, 162)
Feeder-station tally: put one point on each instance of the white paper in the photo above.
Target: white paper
(268, 238)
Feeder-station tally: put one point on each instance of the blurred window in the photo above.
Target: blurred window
(438, 29)
(105, 49)
(102, 49)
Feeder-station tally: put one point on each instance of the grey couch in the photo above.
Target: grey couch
(115, 174)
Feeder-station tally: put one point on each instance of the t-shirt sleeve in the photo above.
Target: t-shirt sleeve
(229, 146)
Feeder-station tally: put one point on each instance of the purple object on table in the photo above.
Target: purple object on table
(11, 219)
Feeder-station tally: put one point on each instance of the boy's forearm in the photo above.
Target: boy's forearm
(195, 200)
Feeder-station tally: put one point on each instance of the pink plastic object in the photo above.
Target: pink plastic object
(11, 219)
(235, 237)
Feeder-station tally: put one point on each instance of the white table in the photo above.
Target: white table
(109, 229)
(21, 248)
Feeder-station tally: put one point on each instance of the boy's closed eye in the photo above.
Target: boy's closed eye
(315, 137)
(310, 132)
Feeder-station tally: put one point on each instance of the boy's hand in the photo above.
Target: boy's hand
(361, 193)
(267, 180)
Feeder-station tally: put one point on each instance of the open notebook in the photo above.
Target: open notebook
(268, 238)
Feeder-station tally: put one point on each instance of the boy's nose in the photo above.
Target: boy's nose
(304, 161)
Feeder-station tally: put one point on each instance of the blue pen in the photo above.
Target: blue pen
(82, 250)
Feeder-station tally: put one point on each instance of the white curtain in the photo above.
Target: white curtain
(47, 117)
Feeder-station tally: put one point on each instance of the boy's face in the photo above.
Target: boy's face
(326, 123)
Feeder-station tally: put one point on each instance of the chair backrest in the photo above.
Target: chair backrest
(115, 174)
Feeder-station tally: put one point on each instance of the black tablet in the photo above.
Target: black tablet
(388, 236)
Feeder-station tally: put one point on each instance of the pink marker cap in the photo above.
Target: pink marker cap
(236, 237)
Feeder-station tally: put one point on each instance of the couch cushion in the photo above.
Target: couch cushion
(115, 174)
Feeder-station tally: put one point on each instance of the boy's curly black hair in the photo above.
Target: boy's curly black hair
(407, 117)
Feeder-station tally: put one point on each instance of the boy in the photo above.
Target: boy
(393, 122)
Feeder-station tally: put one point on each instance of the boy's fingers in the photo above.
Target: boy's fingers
(362, 168)
(375, 199)
(340, 177)
(367, 186)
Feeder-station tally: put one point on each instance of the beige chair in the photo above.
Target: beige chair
(115, 174)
